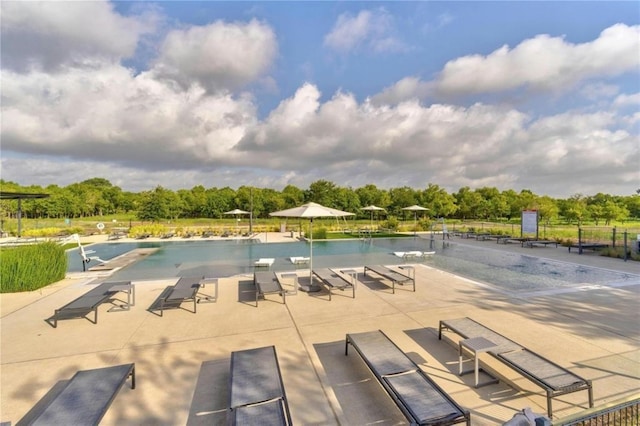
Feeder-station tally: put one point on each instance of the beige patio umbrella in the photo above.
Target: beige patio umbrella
(372, 209)
(415, 209)
(236, 212)
(311, 211)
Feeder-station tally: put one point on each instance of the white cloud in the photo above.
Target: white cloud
(544, 63)
(407, 88)
(218, 56)
(110, 114)
(371, 29)
(46, 35)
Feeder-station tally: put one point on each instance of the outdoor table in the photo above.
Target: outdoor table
(124, 287)
(208, 298)
(294, 278)
(477, 345)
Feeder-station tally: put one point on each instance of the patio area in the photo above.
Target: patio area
(182, 359)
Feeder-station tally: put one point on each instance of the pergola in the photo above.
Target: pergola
(20, 196)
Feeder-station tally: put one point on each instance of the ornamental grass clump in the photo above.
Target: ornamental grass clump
(31, 267)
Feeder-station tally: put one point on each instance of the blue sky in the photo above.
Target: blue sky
(514, 95)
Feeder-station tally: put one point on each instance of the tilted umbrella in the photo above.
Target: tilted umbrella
(372, 209)
(311, 211)
(415, 209)
(236, 212)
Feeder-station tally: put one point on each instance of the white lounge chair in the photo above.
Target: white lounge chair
(414, 254)
(299, 260)
(266, 262)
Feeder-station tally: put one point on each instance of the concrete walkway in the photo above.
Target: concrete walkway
(182, 359)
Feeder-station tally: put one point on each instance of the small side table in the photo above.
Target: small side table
(353, 274)
(125, 287)
(476, 345)
(294, 278)
(206, 298)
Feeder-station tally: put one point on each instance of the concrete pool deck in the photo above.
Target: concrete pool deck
(182, 359)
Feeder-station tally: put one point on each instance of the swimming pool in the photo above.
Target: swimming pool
(222, 258)
(509, 271)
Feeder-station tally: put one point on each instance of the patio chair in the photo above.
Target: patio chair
(419, 398)
(267, 282)
(185, 290)
(394, 276)
(83, 400)
(333, 281)
(91, 300)
(257, 393)
(554, 379)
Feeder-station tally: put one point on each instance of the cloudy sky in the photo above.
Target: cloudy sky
(515, 95)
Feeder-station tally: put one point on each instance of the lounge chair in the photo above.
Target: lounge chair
(257, 395)
(186, 289)
(267, 282)
(391, 275)
(299, 260)
(84, 400)
(409, 255)
(91, 300)
(264, 262)
(554, 379)
(419, 398)
(333, 281)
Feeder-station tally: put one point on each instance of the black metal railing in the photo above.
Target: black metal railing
(623, 413)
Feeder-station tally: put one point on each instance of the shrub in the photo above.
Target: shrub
(391, 223)
(31, 267)
(320, 234)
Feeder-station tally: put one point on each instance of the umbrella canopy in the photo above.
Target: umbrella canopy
(415, 209)
(311, 211)
(236, 212)
(372, 209)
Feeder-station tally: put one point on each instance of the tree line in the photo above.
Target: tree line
(98, 197)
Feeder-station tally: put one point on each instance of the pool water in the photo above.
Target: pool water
(509, 271)
(233, 257)
(522, 273)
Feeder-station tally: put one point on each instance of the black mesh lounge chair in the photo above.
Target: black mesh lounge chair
(333, 281)
(267, 282)
(419, 398)
(91, 300)
(394, 276)
(186, 289)
(257, 392)
(84, 399)
(554, 379)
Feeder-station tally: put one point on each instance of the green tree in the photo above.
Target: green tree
(468, 202)
(439, 202)
(322, 192)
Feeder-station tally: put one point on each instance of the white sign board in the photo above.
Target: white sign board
(529, 222)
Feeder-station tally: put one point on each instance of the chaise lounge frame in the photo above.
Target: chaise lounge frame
(184, 290)
(257, 394)
(267, 282)
(85, 398)
(419, 398)
(551, 377)
(332, 280)
(91, 300)
(393, 276)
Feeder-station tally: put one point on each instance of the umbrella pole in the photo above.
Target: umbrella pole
(311, 287)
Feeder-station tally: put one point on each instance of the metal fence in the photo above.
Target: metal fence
(624, 413)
